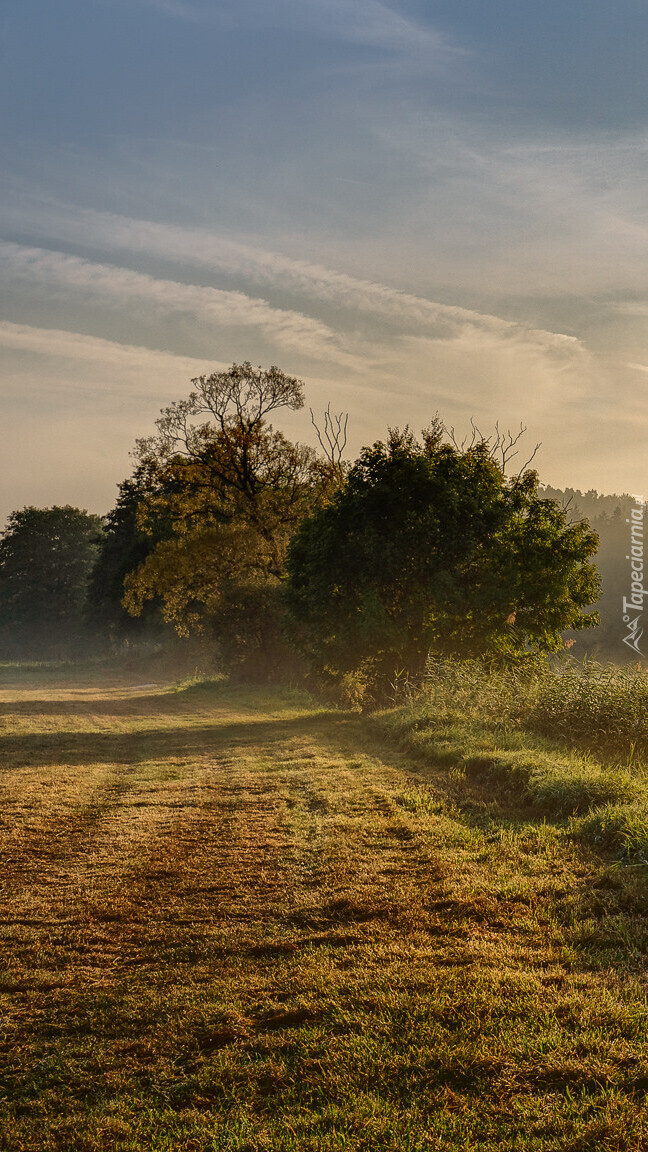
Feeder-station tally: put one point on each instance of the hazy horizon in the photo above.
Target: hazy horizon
(416, 208)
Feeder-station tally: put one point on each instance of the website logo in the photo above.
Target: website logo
(633, 605)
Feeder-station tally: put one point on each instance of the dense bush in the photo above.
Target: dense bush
(430, 548)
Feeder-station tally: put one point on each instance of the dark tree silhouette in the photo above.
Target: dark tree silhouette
(46, 556)
(428, 547)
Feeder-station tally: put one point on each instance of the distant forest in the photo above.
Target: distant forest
(607, 515)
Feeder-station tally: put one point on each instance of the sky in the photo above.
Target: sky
(417, 207)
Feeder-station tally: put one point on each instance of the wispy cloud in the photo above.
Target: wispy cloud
(631, 308)
(519, 213)
(117, 287)
(77, 347)
(364, 22)
(315, 282)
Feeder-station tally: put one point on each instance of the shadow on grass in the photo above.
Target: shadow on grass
(479, 802)
(340, 733)
(41, 749)
(165, 698)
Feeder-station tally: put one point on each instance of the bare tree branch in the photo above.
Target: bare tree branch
(332, 436)
(502, 446)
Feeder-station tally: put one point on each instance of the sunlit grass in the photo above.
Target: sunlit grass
(234, 920)
(566, 742)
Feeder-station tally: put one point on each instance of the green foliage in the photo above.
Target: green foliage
(599, 707)
(231, 490)
(474, 721)
(607, 515)
(123, 546)
(46, 556)
(431, 548)
(621, 829)
(570, 741)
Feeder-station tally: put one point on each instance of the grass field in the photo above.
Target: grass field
(231, 920)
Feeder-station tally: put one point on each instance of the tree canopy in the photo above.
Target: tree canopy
(123, 546)
(232, 490)
(46, 555)
(429, 547)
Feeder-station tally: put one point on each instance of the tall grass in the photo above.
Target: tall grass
(569, 740)
(600, 707)
(604, 707)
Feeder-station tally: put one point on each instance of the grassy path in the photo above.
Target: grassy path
(230, 921)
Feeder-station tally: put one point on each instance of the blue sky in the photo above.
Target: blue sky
(414, 206)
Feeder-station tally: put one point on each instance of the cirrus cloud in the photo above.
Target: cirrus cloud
(118, 287)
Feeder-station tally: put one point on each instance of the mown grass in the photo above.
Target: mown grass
(234, 920)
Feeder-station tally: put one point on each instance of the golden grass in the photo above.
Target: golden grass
(233, 921)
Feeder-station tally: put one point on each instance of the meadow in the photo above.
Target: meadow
(234, 919)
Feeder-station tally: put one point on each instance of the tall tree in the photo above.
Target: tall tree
(233, 490)
(46, 556)
(123, 546)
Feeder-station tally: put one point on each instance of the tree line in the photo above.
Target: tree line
(287, 559)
